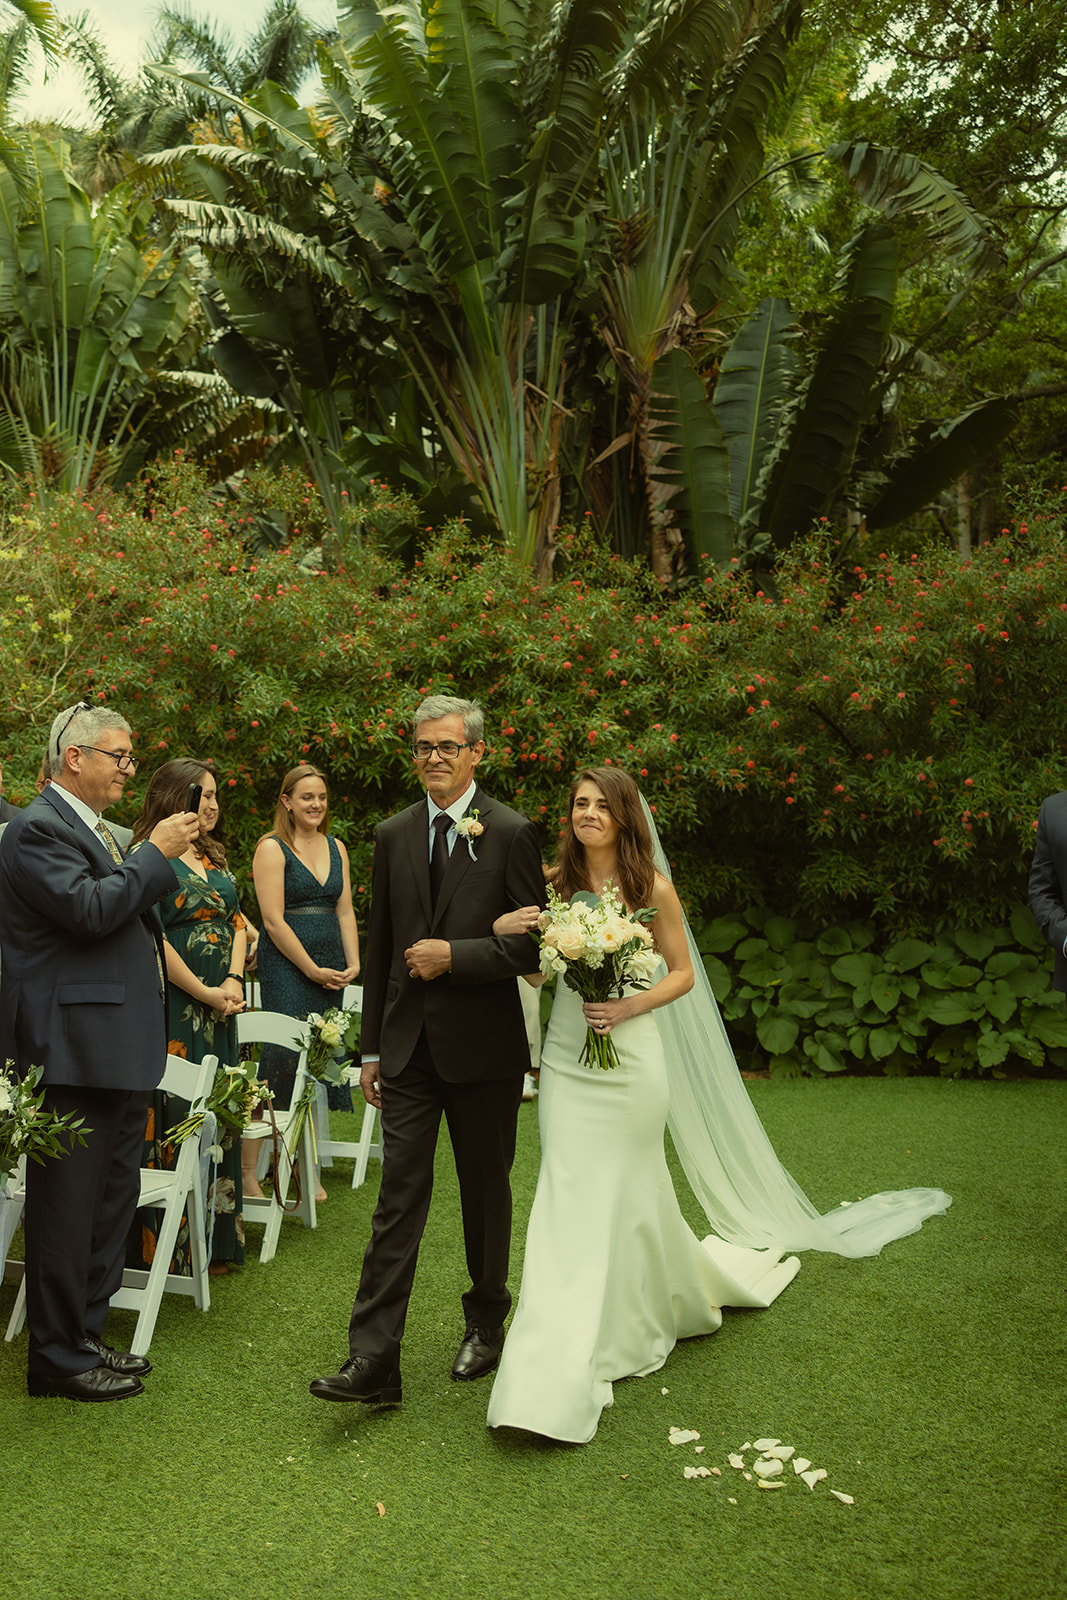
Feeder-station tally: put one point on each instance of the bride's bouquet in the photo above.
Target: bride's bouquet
(597, 947)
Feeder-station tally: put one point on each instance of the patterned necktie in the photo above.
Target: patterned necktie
(439, 859)
(116, 855)
(109, 839)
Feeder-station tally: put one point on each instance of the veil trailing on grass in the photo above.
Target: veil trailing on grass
(747, 1195)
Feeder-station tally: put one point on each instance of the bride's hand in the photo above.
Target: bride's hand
(523, 920)
(603, 1015)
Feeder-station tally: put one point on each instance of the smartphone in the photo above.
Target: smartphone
(192, 798)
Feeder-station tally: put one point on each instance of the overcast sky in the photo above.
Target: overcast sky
(125, 26)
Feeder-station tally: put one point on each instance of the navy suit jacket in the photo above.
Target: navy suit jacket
(472, 1015)
(80, 991)
(1048, 879)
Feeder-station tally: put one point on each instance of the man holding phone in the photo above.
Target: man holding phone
(82, 995)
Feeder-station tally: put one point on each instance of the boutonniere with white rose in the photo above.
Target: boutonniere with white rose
(468, 827)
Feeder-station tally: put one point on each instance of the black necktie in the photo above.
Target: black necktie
(439, 860)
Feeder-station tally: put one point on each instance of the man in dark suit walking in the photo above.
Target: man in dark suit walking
(1048, 880)
(443, 1032)
(82, 996)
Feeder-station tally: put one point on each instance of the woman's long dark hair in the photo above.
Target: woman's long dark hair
(166, 793)
(636, 873)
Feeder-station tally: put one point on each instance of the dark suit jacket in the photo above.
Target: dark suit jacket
(1048, 879)
(80, 993)
(8, 812)
(473, 1014)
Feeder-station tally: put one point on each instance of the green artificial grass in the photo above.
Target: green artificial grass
(928, 1381)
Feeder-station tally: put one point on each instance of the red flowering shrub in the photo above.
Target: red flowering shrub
(871, 745)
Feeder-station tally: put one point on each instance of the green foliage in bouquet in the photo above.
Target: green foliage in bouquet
(26, 1129)
(807, 1000)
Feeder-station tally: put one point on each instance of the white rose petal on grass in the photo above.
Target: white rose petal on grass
(747, 1476)
(697, 1472)
(682, 1435)
(731, 1499)
(736, 1461)
(768, 1469)
(781, 1451)
(814, 1477)
(765, 1444)
(845, 1499)
(716, 1472)
(765, 1485)
(698, 1449)
(800, 1464)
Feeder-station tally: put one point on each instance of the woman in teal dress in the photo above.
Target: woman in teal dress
(205, 951)
(309, 947)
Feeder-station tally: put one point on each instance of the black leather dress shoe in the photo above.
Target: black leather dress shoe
(479, 1352)
(373, 1382)
(122, 1361)
(99, 1383)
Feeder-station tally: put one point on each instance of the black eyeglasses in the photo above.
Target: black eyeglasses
(448, 749)
(122, 758)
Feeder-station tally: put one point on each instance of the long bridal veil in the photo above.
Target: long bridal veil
(747, 1195)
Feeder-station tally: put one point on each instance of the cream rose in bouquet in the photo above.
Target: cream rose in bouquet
(332, 1042)
(597, 947)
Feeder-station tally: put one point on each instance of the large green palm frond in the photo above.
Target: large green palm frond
(692, 463)
(680, 42)
(898, 184)
(756, 378)
(435, 166)
(821, 426)
(941, 454)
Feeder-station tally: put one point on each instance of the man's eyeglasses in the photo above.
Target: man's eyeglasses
(83, 705)
(122, 758)
(448, 749)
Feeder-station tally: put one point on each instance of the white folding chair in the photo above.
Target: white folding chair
(12, 1200)
(173, 1191)
(271, 1027)
(363, 1149)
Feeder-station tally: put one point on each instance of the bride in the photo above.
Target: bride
(613, 1276)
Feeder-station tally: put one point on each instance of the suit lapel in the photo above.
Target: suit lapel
(79, 828)
(461, 858)
(418, 848)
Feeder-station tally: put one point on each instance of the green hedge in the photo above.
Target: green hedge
(868, 745)
(803, 999)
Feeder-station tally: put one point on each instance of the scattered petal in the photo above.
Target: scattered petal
(697, 1472)
(845, 1499)
(682, 1435)
(381, 1509)
(731, 1499)
(765, 1485)
(781, 1451)
(747, 1476)
(767, 1469)
(665, 1391)
(736, 1461)
(746, 1445)
(814, 1477)
(800, 1464)
(698, 1449)
(765, 1444)
(717, 1472)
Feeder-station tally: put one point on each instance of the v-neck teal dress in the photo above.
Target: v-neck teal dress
(311, 913)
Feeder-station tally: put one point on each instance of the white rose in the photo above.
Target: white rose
(330, 1033)
(570, 943)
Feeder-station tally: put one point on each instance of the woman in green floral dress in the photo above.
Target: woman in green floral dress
(205, 950)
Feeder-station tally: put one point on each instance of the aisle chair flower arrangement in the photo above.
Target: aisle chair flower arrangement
(332, 1044)
(26, 1129)
(597, 947)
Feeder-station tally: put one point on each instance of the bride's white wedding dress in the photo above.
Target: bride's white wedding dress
(613, 1276)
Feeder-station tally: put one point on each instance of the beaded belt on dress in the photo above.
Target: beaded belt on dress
(310, 911)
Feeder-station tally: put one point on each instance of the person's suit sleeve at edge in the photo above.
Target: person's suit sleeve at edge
(494, 957)
(54, 874)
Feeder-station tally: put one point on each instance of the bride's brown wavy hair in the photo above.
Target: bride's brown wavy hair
(636, 872)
